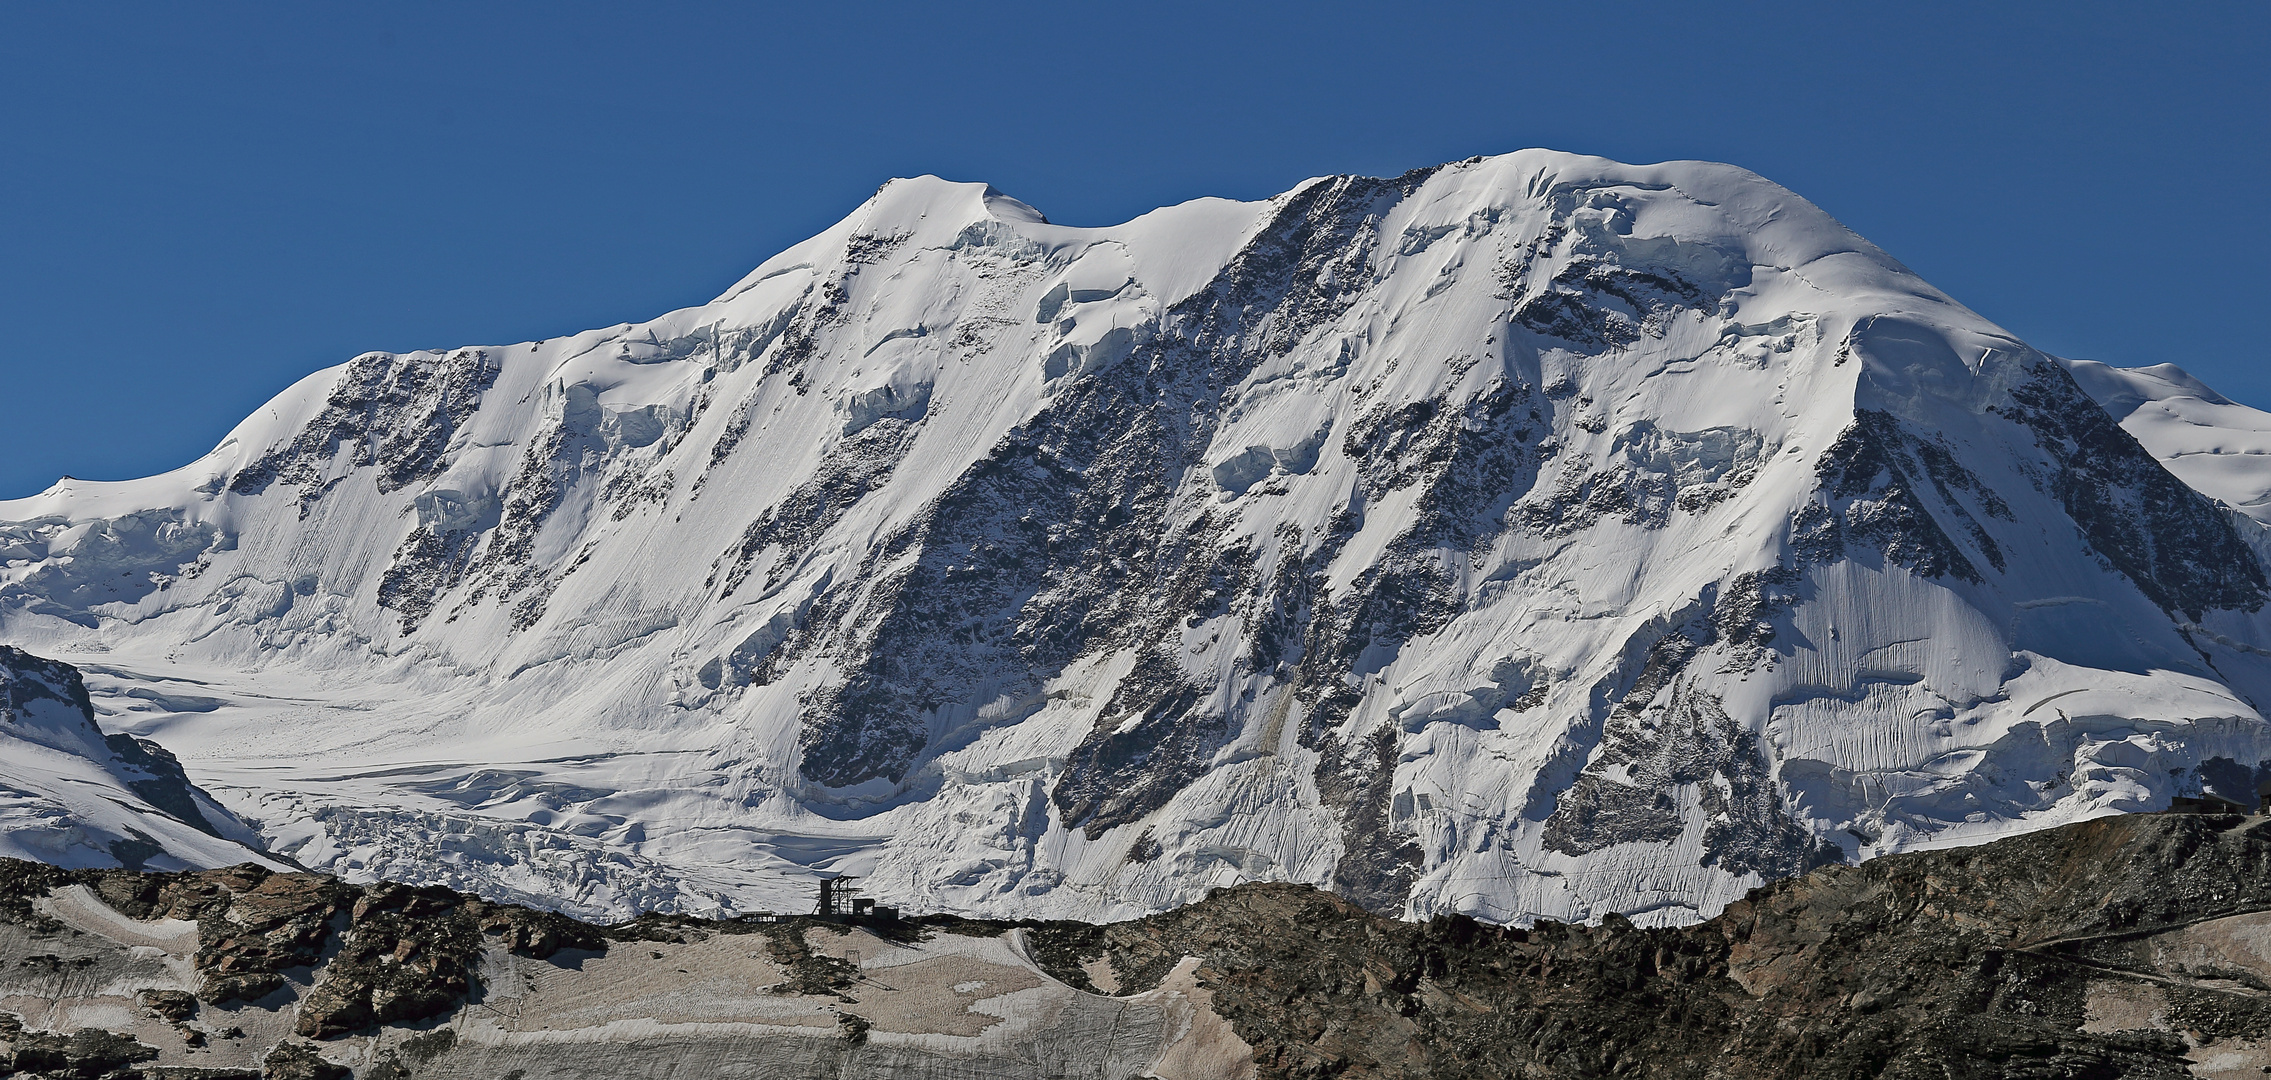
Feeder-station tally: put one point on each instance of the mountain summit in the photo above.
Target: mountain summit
(1529, 536)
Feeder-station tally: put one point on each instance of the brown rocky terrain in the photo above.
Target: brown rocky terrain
(2125, 947)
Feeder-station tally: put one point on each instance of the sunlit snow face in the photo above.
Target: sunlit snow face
(1534, 536)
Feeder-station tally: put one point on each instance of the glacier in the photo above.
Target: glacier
(1533, 536)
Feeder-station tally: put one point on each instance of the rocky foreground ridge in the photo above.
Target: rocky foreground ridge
(2136, 946)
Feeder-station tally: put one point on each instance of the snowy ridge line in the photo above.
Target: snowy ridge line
(1677, 537)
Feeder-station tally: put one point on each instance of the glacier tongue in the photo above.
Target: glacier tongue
(1530, 536)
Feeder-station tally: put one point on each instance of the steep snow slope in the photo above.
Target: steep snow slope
(1534, 535)
(71, 796)
(2220, 447)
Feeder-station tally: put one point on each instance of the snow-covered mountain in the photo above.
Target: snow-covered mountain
(72, 796)
(2220, 447)
(1532, 535)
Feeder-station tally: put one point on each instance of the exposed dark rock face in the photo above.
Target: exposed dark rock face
(388, 953)
(1380, 864)
(1653, 474)
(407, 954)
(858, 465)
(2169, 539)
(1595, 301)
(299, 1061)
(1652, 658)
(549, 468)
(1745, 613)
(809, 972)
(25, 679)
(1123, 771)
(86, 1054)
(398, 414)
(1870, 474)
(253, 928)
(167, 787)
(1686, 746)
(428, 563)
(174, 1005)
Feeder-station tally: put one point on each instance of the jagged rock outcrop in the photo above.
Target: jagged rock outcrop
(2127, 947)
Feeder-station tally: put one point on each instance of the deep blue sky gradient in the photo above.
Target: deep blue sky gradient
(201, 203)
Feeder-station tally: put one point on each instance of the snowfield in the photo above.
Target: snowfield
(1532, 536)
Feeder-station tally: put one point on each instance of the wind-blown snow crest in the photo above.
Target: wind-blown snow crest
(1531, 536)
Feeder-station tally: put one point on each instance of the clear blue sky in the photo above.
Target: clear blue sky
(201, 203)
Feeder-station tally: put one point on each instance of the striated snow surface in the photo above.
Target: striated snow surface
(1529, 536)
